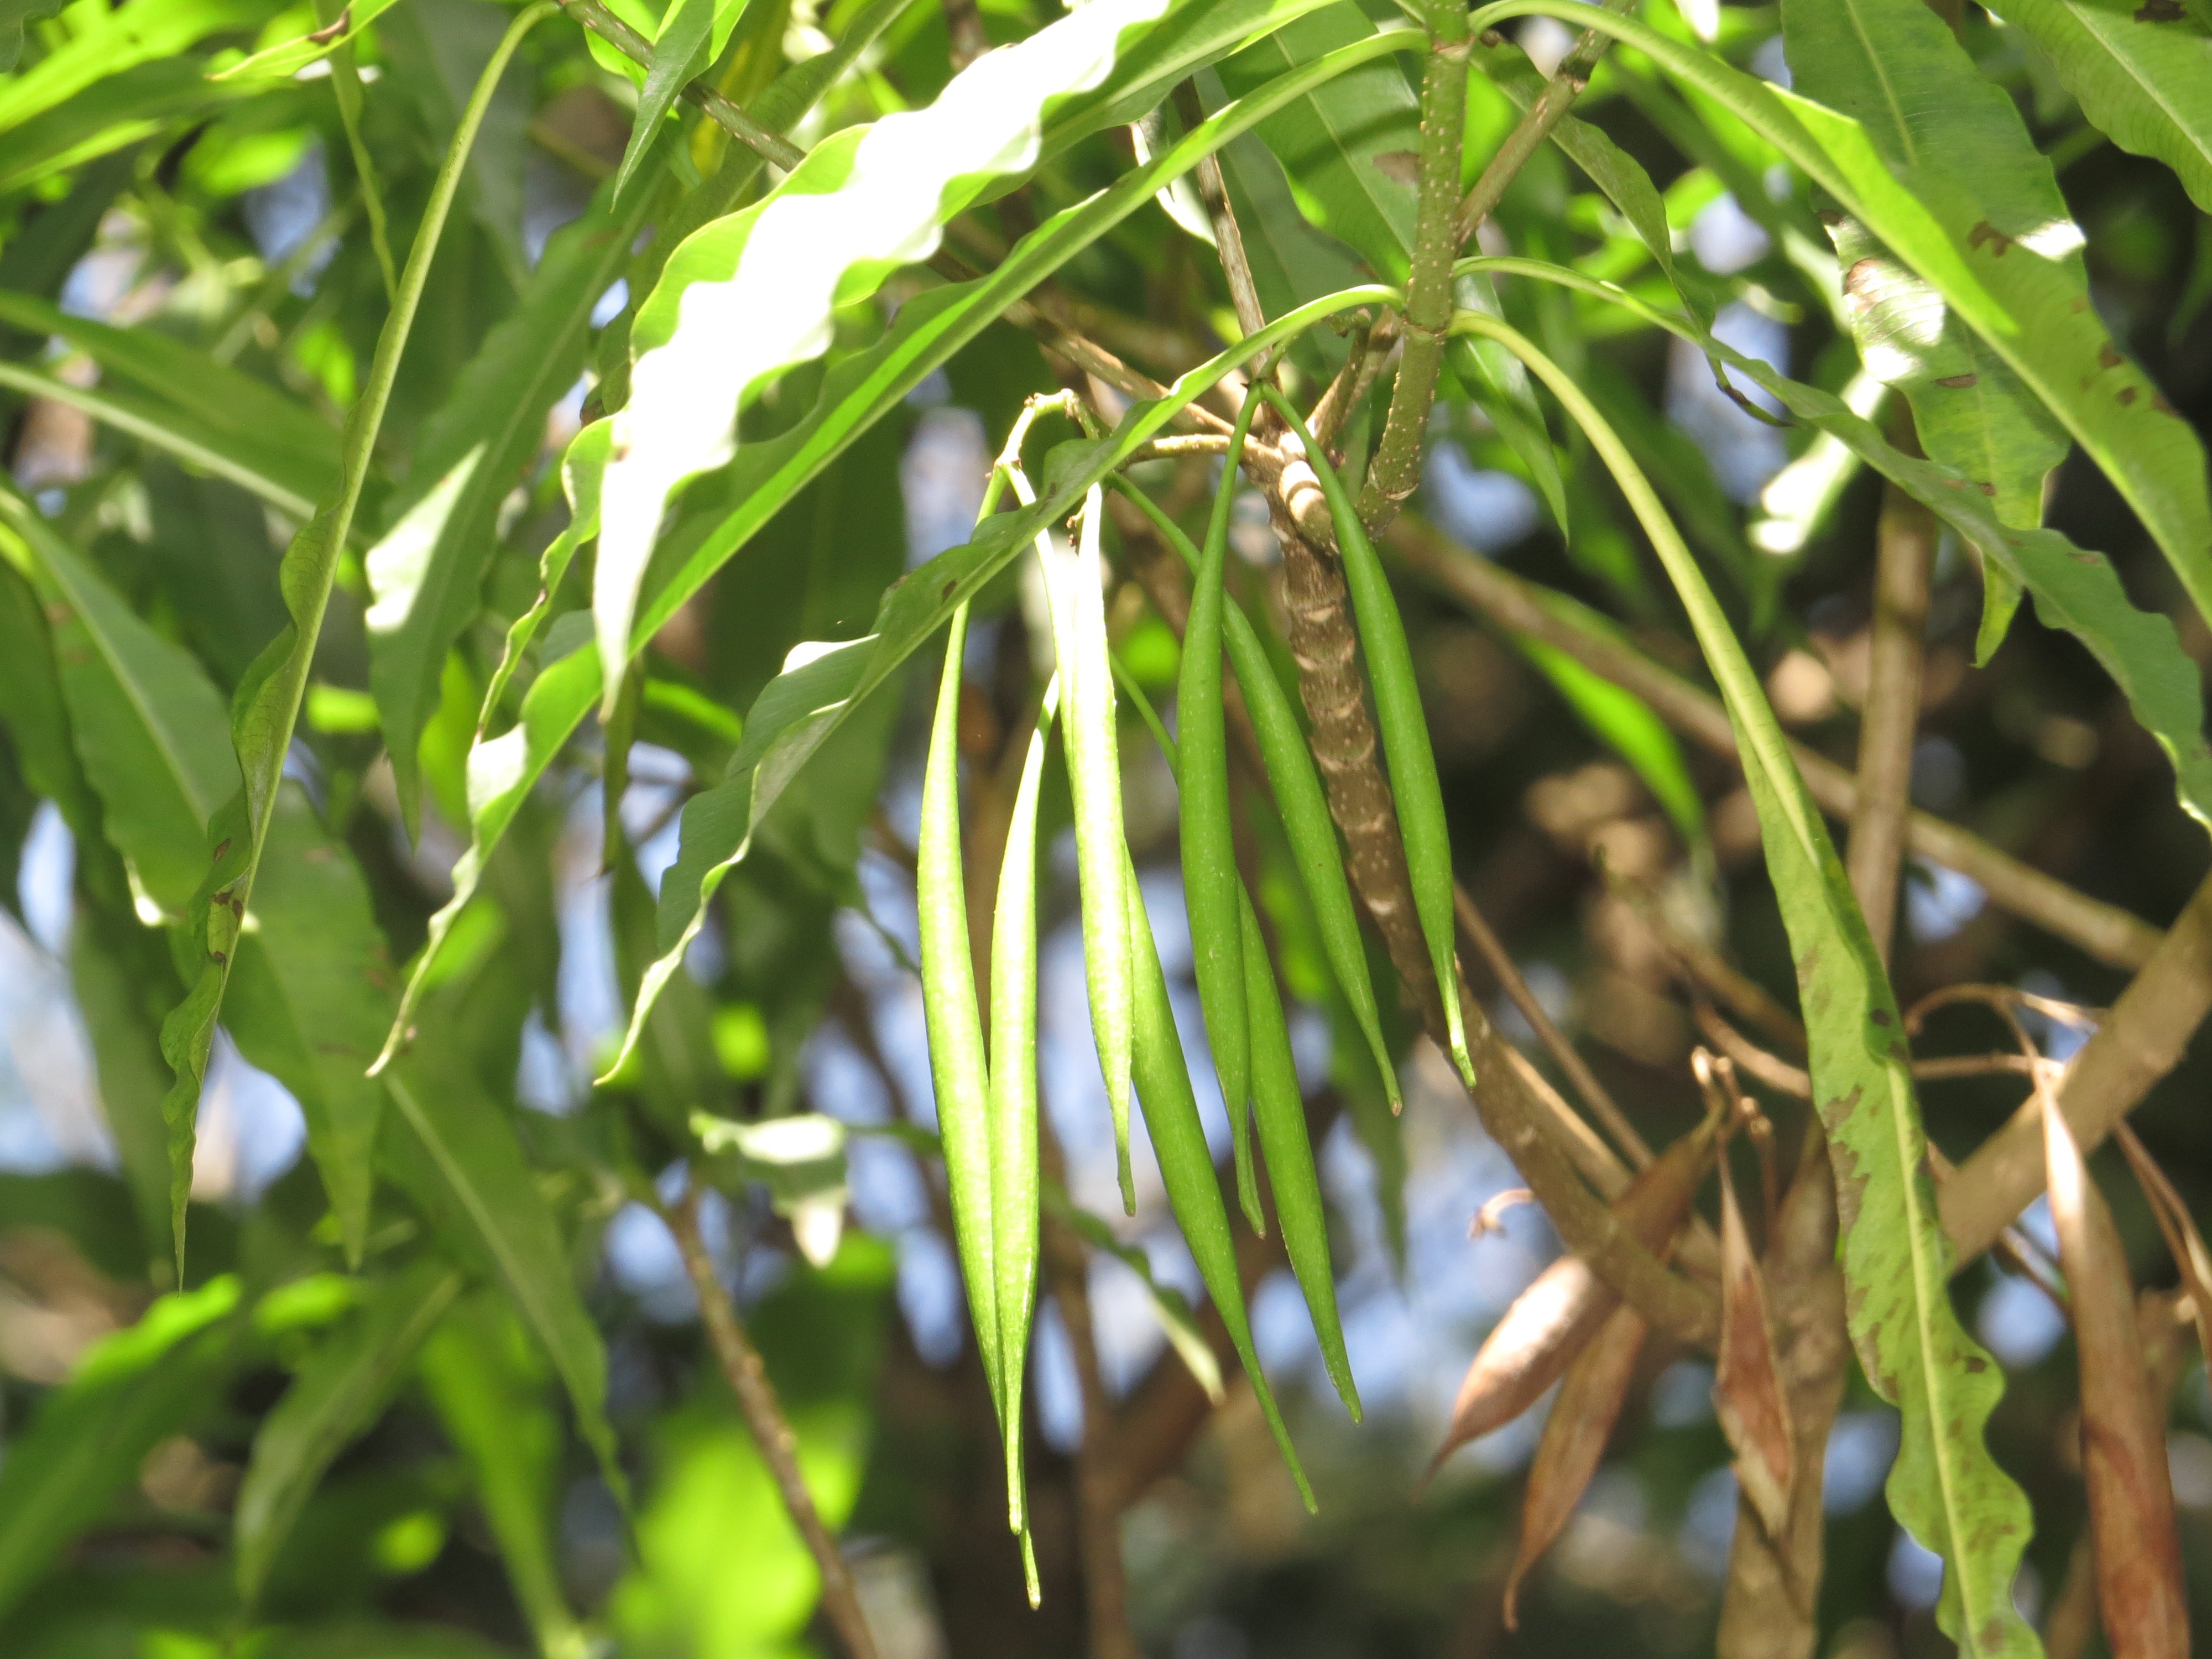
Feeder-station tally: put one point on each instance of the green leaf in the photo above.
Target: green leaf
(1624, 723)
(822, 682)
(266, 710)
(1945, 1487)
(2015, 295)
(122, 986)
(426, 573)
(149, 726)
(2147, 86)
(2073, 588)
(1919, 97)
(250, 462)
(678, 54)
(110, 42)
(463, 1165)
(489, 1392)
(226, 412)
(754, 293)
(501, 772)
(311, 995)
(109, 116)
(337, 1395)
(87, 1438)
(287, 58)
(14, 14)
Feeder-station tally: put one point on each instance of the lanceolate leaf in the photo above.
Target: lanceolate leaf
(143, 32)
(1922, 102)
(675, 54)
(266, 706)
(1945, 1487)
(337, 1395)
(461, 1159)
(752, 294)
(238, 415)
(492, 1397)
(822, 682)
(2075, 588)
(2146, 85)
(427, 571)
(147, 726)
(2017, 294)
(310, 996)
(87, 1438)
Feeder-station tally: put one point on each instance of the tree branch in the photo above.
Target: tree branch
(774, 146)
(771, 1429)
(2104, 931)
(1533, 127)
(1905, 553)
(1397, 468)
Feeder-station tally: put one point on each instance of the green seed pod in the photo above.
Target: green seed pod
(1304, 805)
(1405, 733)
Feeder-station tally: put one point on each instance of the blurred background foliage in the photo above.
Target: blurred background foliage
(227, 215)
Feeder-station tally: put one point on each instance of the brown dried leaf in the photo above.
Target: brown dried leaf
(1555, 1317)
(2137, 1549)
(2182, 1239)
(1575, 1436)
(1748, 1395)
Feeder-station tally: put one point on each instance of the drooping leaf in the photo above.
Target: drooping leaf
(1945, 1487)
(86, 1442)
(311, 995)
(340, 1393)
(822, 682)
(2016, 295)
(463, 1162)
(1169, 1307)
(754, 293)
(265, 708)
(149, 726)
(287, 58)
(230, 412)
(490, 1394)
(2075, 588)
(248, 459)
(1919, 97)
(2146, 84)
(428, 570)
(678, 54)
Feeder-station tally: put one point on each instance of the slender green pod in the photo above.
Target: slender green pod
(1094, 774)
(1405, 733)
(1210, 883)
(1163, 1085)
(1240, 1125)
(1280, 1107)
(957, 1067)
(1304, 807)
(1014, 1175)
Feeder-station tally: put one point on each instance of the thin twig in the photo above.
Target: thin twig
(771, 1429)
(1508, 974)
(1227, 239)
(2105, 931)
(1905, 554)
(2004, 999)
(1533, 127)
(776, 148)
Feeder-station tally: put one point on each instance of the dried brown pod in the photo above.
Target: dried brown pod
(1748, 1395)
(1575, 1436)
(2185, 1243)
(1556, 1316)
(2137, 1550)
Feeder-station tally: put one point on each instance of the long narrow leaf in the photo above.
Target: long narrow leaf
(1945, 1486)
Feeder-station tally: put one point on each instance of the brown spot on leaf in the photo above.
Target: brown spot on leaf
(2108, 355)
(1985, 232)
(1958, 382)
(221, 847)
(1402, 167)
(2127, 394)
(2160, 11)
(945, 593)
(1879, 1016)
